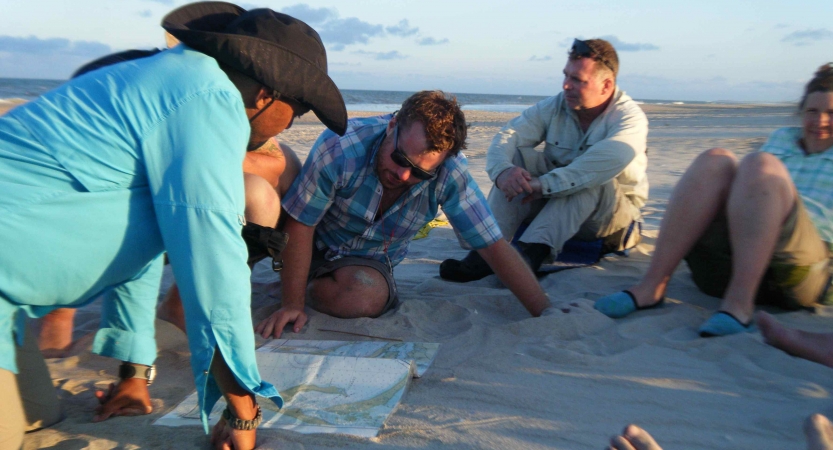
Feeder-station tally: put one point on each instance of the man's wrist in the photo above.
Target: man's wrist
(129, 371)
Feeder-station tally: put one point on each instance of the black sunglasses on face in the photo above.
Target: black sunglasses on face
(400, 159)
(580, 48)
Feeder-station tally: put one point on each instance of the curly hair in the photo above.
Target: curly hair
(603, 53)
(444, 121)
(822, 82)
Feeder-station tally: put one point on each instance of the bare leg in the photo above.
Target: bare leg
(55, 332)
(816, 347)
(761, 198)
(819, 432)
(634, 438)
(350, 292)
(262, 207)
(698, 198)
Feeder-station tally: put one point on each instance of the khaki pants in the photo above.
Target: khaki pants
(587, 215)
(797, 275)
(27, 400)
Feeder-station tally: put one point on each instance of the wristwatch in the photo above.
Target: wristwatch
(240, 424)
(130, 370)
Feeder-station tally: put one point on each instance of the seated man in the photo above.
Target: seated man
(588, 183)
(754, 231)
(360, 199)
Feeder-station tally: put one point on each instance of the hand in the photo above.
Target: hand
(225, 437)
(513, 181)
(129, 397)
(537, 191)
(273, 325)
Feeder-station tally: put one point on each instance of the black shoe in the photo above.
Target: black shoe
(472, 267)
(534, 254)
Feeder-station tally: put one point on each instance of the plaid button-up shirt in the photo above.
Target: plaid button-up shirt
(339, 193)
(812, 175)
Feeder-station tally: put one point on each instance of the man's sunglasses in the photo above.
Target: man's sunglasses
(400, 159)
(581, 49)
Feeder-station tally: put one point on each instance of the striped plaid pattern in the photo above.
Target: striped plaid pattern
(811, 174)
(339, 193)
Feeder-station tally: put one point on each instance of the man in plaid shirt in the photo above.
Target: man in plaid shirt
(361, 198)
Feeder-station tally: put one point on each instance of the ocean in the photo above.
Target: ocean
(355, 99)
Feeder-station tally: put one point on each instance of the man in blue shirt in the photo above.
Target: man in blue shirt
(107, 172)
(361, 198)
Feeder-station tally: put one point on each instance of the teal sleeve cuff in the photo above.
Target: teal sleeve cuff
(125, 345)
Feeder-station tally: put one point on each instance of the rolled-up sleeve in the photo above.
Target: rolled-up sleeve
(127, 318)
(527, 130)
(313, 191)
(466, 208)
(604, 160)
(194, 163)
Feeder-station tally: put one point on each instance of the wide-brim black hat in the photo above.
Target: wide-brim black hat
(277, 50)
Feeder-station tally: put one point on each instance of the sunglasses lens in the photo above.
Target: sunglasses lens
(402, 161)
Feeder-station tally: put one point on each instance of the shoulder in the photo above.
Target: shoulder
(624, 108)
(784, 141)
(359, 137)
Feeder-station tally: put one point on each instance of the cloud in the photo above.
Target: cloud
(335, 31)
(402, 29)
(621, 46)
(432, 41)
(806, 37)
(312, 16)
(164, 2)
(55, 58)
(382, 56)
(543, 58)
(349, 31)
(145, 13)
(780, 25)
(54, 46)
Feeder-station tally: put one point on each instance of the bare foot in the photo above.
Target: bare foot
(816, 347)
(633, 438)
(55, 333)
(170, 310)
(819, 432)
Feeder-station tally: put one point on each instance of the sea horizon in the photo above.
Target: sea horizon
(17, 89)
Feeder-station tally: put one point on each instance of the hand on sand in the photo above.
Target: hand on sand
(633, 438)
(128, 398)
(514, 181)
(224, 437)
(273, 325)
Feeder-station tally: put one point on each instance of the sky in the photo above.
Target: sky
(703, 50)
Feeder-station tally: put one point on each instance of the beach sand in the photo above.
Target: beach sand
(503, 379)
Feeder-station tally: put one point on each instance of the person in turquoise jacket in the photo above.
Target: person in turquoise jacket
(104, 175)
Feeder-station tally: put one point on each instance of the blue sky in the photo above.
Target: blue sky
(697, 50)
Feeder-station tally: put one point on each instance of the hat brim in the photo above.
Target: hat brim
(265, 61)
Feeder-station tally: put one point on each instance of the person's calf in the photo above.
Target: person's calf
(55, 332)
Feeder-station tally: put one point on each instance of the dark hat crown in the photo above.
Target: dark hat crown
(281, 29)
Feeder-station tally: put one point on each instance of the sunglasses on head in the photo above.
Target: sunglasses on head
(581, 49)
(400, 159)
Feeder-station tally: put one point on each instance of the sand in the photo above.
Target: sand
(505, 380)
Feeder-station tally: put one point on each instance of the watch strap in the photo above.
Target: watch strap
(240, 424)
(131, 370)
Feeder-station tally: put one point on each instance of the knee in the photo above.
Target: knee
(262, 202)
(761, 169)
(716, 162)
(352, 292)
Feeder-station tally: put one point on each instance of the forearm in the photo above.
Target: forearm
(513, 271)
(296, 257)
(241, 402)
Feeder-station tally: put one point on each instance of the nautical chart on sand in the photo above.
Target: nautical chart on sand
(326, 393)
